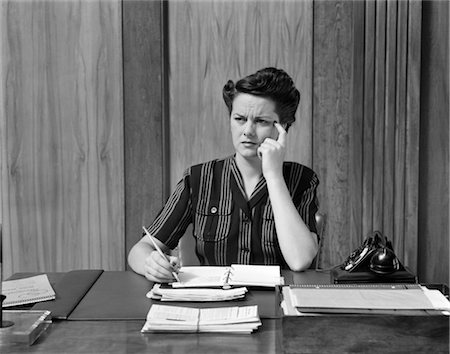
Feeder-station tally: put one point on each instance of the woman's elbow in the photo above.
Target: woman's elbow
(304, 261)
(300, 265)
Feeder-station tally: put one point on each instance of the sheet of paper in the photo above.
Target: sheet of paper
(258, 275)
(202, 276)
(227, 315)
(376, 299)
(437, 299)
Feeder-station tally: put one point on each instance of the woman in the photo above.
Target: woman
(250, 208)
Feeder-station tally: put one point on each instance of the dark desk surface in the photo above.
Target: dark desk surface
(322, 334)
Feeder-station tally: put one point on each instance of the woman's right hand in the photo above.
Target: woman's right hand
(159, 269)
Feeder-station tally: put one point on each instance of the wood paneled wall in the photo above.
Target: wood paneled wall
(214, 41)
(367, 115)
(66, 121)
(61, 135)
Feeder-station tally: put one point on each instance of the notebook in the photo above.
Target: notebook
(226, 277)
(27, 290)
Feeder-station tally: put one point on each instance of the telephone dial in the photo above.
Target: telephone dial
(373, 262)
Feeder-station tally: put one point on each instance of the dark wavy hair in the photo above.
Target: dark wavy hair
(271, 83)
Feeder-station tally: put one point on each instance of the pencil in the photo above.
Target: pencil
(175, 275)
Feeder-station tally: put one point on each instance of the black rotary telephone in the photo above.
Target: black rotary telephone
(373, 262)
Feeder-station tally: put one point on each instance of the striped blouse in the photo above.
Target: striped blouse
(227, 227)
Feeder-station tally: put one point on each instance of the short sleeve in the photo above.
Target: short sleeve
(176, 215)
(303, 183)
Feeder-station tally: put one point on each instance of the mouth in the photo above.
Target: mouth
(249, 144)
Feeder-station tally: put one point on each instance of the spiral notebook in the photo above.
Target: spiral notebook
(27, 290)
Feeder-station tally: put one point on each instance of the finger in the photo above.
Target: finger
(269, 143)
(175, 263)
(156, 275)
(281, 134)
(160, 260)
(259, 152)
(160, 265)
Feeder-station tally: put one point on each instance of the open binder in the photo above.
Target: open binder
(226, 277)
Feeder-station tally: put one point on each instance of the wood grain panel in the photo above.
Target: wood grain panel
(214, 41)
(400, 132)
(356, 127)
(146, 164)
(390, 120)
(333, 53)
(368, 119)
(434, 236)
(379, 105)
(412, 135)
(395, 182)
(62, 173)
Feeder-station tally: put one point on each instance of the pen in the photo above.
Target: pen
(175, 275)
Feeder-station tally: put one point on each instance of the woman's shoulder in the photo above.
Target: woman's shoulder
(295, 170)
(208, 166)
(213, 162)
(291, 165)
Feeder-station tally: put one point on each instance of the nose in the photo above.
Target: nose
(249, 128)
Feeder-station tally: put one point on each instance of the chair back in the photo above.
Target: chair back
(320, 223)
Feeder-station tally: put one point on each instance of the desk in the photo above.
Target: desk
(308, 335)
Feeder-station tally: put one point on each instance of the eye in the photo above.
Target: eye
(239, 119)
(263, 122)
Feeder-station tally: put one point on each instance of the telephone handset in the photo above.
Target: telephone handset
(372, 262)
(376, 254)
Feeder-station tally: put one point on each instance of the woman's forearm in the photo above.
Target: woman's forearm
(297, 243)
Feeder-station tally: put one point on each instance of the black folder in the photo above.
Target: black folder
(70, 290)
(116, 295)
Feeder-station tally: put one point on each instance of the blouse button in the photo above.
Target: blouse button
(213, 210)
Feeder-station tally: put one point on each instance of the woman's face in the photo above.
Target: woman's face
(252, 121)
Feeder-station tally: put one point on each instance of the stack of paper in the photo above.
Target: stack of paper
(195, 294)
(235, 275)
(163, 318)
(396, 299)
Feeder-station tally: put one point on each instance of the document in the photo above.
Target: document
(370, 300)
(195, 294)
(164, 318)
(27, 290)
(235, 275)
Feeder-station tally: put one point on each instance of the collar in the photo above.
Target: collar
(238, 190)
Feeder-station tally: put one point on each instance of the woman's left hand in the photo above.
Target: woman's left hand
(271, 152)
